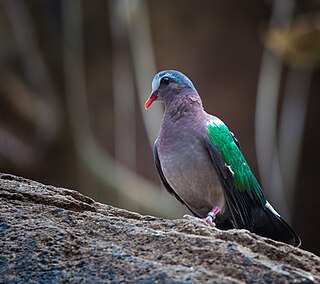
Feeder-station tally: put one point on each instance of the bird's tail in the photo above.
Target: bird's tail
(268, 223)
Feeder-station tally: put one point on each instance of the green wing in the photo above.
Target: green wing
(225, 142)
(243, 193)
(244, 196)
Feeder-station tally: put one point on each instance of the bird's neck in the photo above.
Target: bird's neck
(183, 107)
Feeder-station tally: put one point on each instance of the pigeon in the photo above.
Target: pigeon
(200, 162)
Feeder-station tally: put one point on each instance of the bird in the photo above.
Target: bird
(200, 162)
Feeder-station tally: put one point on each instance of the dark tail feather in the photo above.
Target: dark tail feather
(270, 225)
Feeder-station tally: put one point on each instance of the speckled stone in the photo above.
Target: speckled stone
(56, 235)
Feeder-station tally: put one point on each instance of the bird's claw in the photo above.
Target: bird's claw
(208, 220)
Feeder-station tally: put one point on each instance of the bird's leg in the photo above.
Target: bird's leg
(211, 216)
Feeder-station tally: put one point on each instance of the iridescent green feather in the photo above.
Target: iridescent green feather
(244, 179)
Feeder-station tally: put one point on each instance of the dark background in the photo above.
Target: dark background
(74, 75)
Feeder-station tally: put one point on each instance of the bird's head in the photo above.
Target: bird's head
(167, 84)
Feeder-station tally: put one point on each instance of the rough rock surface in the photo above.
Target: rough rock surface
(56, 235)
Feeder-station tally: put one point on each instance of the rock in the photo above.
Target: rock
(57, 235)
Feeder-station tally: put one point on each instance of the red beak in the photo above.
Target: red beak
(150, 100)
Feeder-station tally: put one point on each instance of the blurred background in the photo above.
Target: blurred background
(74, 76)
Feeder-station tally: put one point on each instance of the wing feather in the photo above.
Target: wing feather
(244, 196)
(240, 204)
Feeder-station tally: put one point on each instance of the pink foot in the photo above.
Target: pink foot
(211, 216)
(208, 220)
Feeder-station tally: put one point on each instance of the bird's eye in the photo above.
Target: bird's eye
(165, 81)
